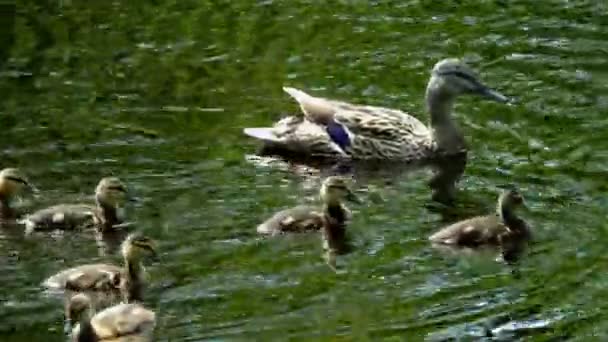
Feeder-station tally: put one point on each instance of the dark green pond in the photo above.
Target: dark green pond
(158, 92)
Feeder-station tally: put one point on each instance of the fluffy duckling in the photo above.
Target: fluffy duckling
(128, 281)
(500, 229)
(12, 182)
(110, 194)
(303, 218)
(122, 322)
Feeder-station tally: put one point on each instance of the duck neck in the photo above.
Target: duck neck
(335, 212)
(507, 215)
(86, 333)
(108, 213)
(133, 286)
(445, 131)
(334, 227)
(5, 208)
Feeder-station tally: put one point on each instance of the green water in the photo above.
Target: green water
(158, 92)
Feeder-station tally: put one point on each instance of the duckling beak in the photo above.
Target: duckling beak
(67, 326)
(524, 204)
(350, 196)
(153, 254)
(155, 257)
(492, 94)
(33, 189)
(131, 198)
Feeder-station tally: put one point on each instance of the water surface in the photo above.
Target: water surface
(158, 94)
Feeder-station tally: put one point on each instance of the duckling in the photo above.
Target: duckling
(128, 281)
(12, 182)
(500, 229)
(122, 322)
(110, 194)
(304, 218)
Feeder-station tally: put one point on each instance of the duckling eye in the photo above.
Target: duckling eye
(144, 245)
(17, 180)
(117, 188)
(338, 187)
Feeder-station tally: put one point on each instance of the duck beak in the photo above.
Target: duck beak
(492, 94)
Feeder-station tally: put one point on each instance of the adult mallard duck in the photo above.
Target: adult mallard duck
(305, 218)
(12, 182)
(338, 129)
(127, 282)
(110, 194)
(122, 322)
(504, 228)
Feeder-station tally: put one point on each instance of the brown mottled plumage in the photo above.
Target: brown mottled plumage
(127, 281)
(110, 194)
(370, 132)
(120, 323)
(499, 229)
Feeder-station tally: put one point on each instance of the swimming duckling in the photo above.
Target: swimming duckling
(110, 194)
(12, 181)
(128, 281)
(304, 218)
(122, 322)
(501, 229)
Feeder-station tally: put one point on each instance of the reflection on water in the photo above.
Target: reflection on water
(158, 95)
(447, 170)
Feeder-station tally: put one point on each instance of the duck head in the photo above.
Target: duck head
(452, 77)
(335, 189)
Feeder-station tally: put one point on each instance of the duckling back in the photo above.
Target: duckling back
(301, 218)
(124, 322)
(62, 216)
(471, 232)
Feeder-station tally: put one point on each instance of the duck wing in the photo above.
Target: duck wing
(301, 218)
(374, 132)
(373, 121)
(300, 135)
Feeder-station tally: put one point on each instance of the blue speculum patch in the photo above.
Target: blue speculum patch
(338, 134)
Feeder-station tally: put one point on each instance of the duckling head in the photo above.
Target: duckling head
(511, 199)
(136, 246)
(335, 189)
(78, 307)
(111, 192)
(453, 77)
(13, 181)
